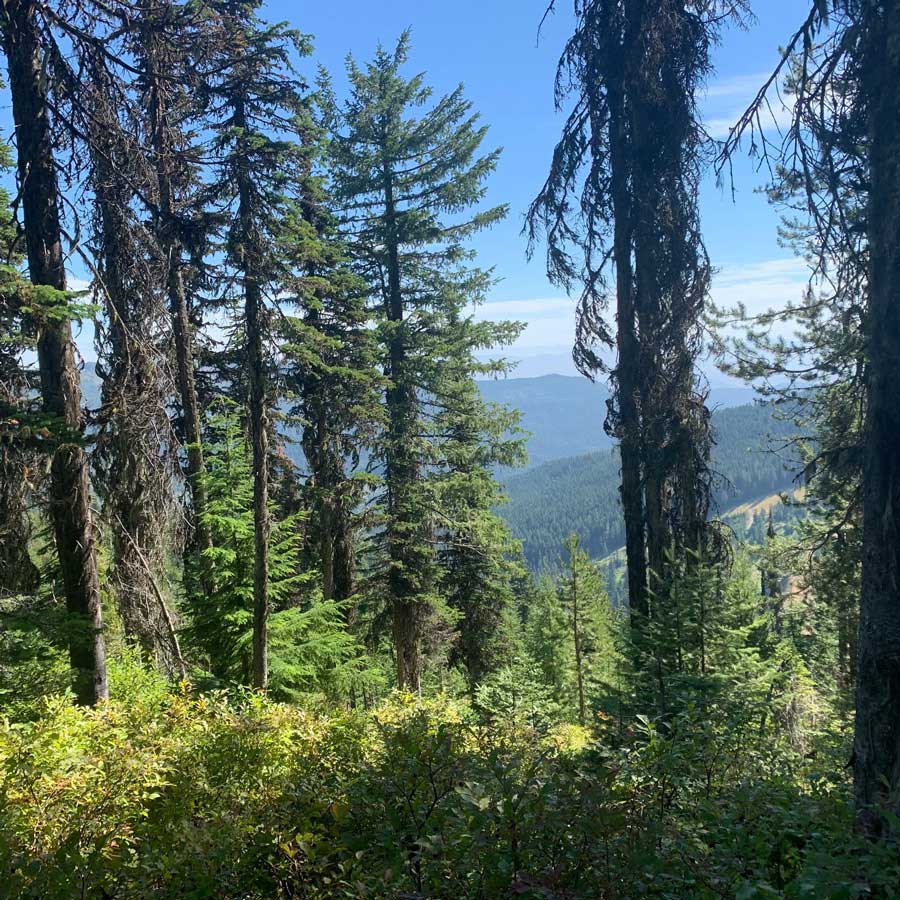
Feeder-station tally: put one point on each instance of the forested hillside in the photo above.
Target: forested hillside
(752, 458)
(564, 415)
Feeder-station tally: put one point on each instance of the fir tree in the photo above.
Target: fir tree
(591, 632)
(18, 457)
(407, 184)
(478, 556)
(164, 43)
(254, 101)
(311, 648)
(845, 147)
(547, 640)
(27, 44)
(622, 196)
(330, 366)
(132, 457)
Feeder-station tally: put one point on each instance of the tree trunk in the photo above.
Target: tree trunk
(628, 425)
(579, 674)
(21, 575)
(254, 315)
(326, 545)
(135, 489)
(402, 473)
(70, 494)
(343, 559)
(877, 732)
(163, 144)
(259, 436)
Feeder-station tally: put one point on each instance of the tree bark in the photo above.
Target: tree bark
(134, 488)
(402, 472)
(877, 731)
(259, 435)
(627, 367)
(576, 636)
(254, 315)
(164, 149)
(70, 495)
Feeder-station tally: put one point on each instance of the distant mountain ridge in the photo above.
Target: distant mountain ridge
(580, 493)
(565, 413)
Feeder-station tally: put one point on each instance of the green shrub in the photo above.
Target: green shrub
(163, 794)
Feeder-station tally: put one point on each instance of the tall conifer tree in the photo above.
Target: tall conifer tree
(843, 158)
(255, 99)
(408, 173)
(330, 366)
(165, 41)
(24, 37)
(621, 201)
(478, 556)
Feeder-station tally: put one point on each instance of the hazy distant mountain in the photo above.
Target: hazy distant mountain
(580, 493)
(90, 386)
(565, 413)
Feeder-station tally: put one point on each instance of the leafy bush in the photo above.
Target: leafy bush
(179, 794)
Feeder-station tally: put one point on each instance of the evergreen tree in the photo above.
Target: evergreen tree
(478, 556)
(622, 195)
(132, 457)
(407, 184)
(590, 624)
(255, 98)
(842, 158)
(18, 457)
(330, 367)
(547, 640)
(311, 648)
(26, 44)
(164, 44)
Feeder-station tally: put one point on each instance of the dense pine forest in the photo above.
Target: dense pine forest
(753, 457)
(286, 610)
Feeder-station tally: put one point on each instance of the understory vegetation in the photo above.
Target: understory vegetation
(549, 780)
(162, 793)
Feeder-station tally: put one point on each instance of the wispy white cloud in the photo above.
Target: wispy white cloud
(77, 284)
(736, 85)
(789, 266)
(551, 321)
(775, 117)
(541, 307)
(725, 100)
(760, 286)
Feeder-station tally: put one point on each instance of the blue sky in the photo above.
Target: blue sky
(492, 47)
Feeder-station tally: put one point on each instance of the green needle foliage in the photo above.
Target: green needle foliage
(639, 676)
(310, 647)
(408, 176)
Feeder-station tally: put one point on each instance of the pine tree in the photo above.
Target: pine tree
(18, 458)
(590, 623)
(622, 195)
(255, 98)
(478, 556)
(164, 42)
(407, 184)
(845, 147)
(25, 46)
(330, 366)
